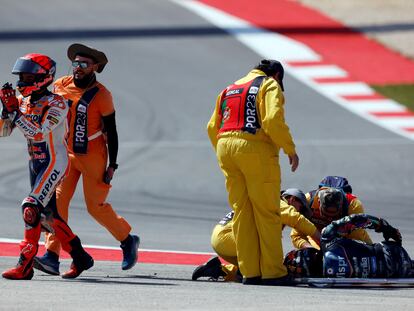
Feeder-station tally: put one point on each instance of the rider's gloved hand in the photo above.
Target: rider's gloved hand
(389, 232)
(8, 98)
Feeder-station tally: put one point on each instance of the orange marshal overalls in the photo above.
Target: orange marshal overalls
(91, 165)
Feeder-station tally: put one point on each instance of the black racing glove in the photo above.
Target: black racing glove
(109, 173)
(389, 232)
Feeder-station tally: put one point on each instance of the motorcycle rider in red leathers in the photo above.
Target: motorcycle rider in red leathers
(41, 116)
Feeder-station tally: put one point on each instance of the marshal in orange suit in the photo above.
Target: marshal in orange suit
(91, 141)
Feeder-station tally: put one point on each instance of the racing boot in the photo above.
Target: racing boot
(48, 263)
(81, 260)
(130, 251)
(24, 267)
(211, 269)
(79, 265)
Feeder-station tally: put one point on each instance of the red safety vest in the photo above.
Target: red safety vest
(238, 109)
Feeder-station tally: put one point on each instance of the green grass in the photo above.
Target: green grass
(402, 93)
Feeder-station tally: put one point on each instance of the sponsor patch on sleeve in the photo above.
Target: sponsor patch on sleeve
(53, 119)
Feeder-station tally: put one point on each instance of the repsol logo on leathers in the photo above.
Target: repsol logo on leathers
(49, 185)
(25, 127)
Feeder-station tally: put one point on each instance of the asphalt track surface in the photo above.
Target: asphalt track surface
(166, 67)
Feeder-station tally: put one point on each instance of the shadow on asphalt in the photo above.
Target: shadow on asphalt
(136, 280)
(104, 280)
(107, 279)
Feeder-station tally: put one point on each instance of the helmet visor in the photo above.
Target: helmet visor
(23, 65)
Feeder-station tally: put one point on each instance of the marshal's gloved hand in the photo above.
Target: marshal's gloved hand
(8, 98)
(388, 231)
(109, 173)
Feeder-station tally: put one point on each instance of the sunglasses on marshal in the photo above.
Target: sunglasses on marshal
(82, 65)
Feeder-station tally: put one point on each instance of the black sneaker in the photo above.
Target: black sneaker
(130, 252)
(257, 280)
(286, 280)
(211, 269)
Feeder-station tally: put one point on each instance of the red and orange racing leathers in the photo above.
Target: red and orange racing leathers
(43, 123)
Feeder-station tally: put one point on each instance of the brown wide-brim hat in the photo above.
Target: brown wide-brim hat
(83, 50)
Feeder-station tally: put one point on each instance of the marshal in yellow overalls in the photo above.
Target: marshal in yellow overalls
(247, 139)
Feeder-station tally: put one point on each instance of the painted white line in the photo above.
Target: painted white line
(394, 127)
(346, 88)
(173, 144)
(352, 142)
(6, 240)
(395, 121)
(265, 43)
(320, 71)
(336, 142)
(166, 144)
(132, 144)
(380, 105)
(276, 46)
(16, 241)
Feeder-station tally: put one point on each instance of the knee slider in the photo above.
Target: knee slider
(31, 211)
